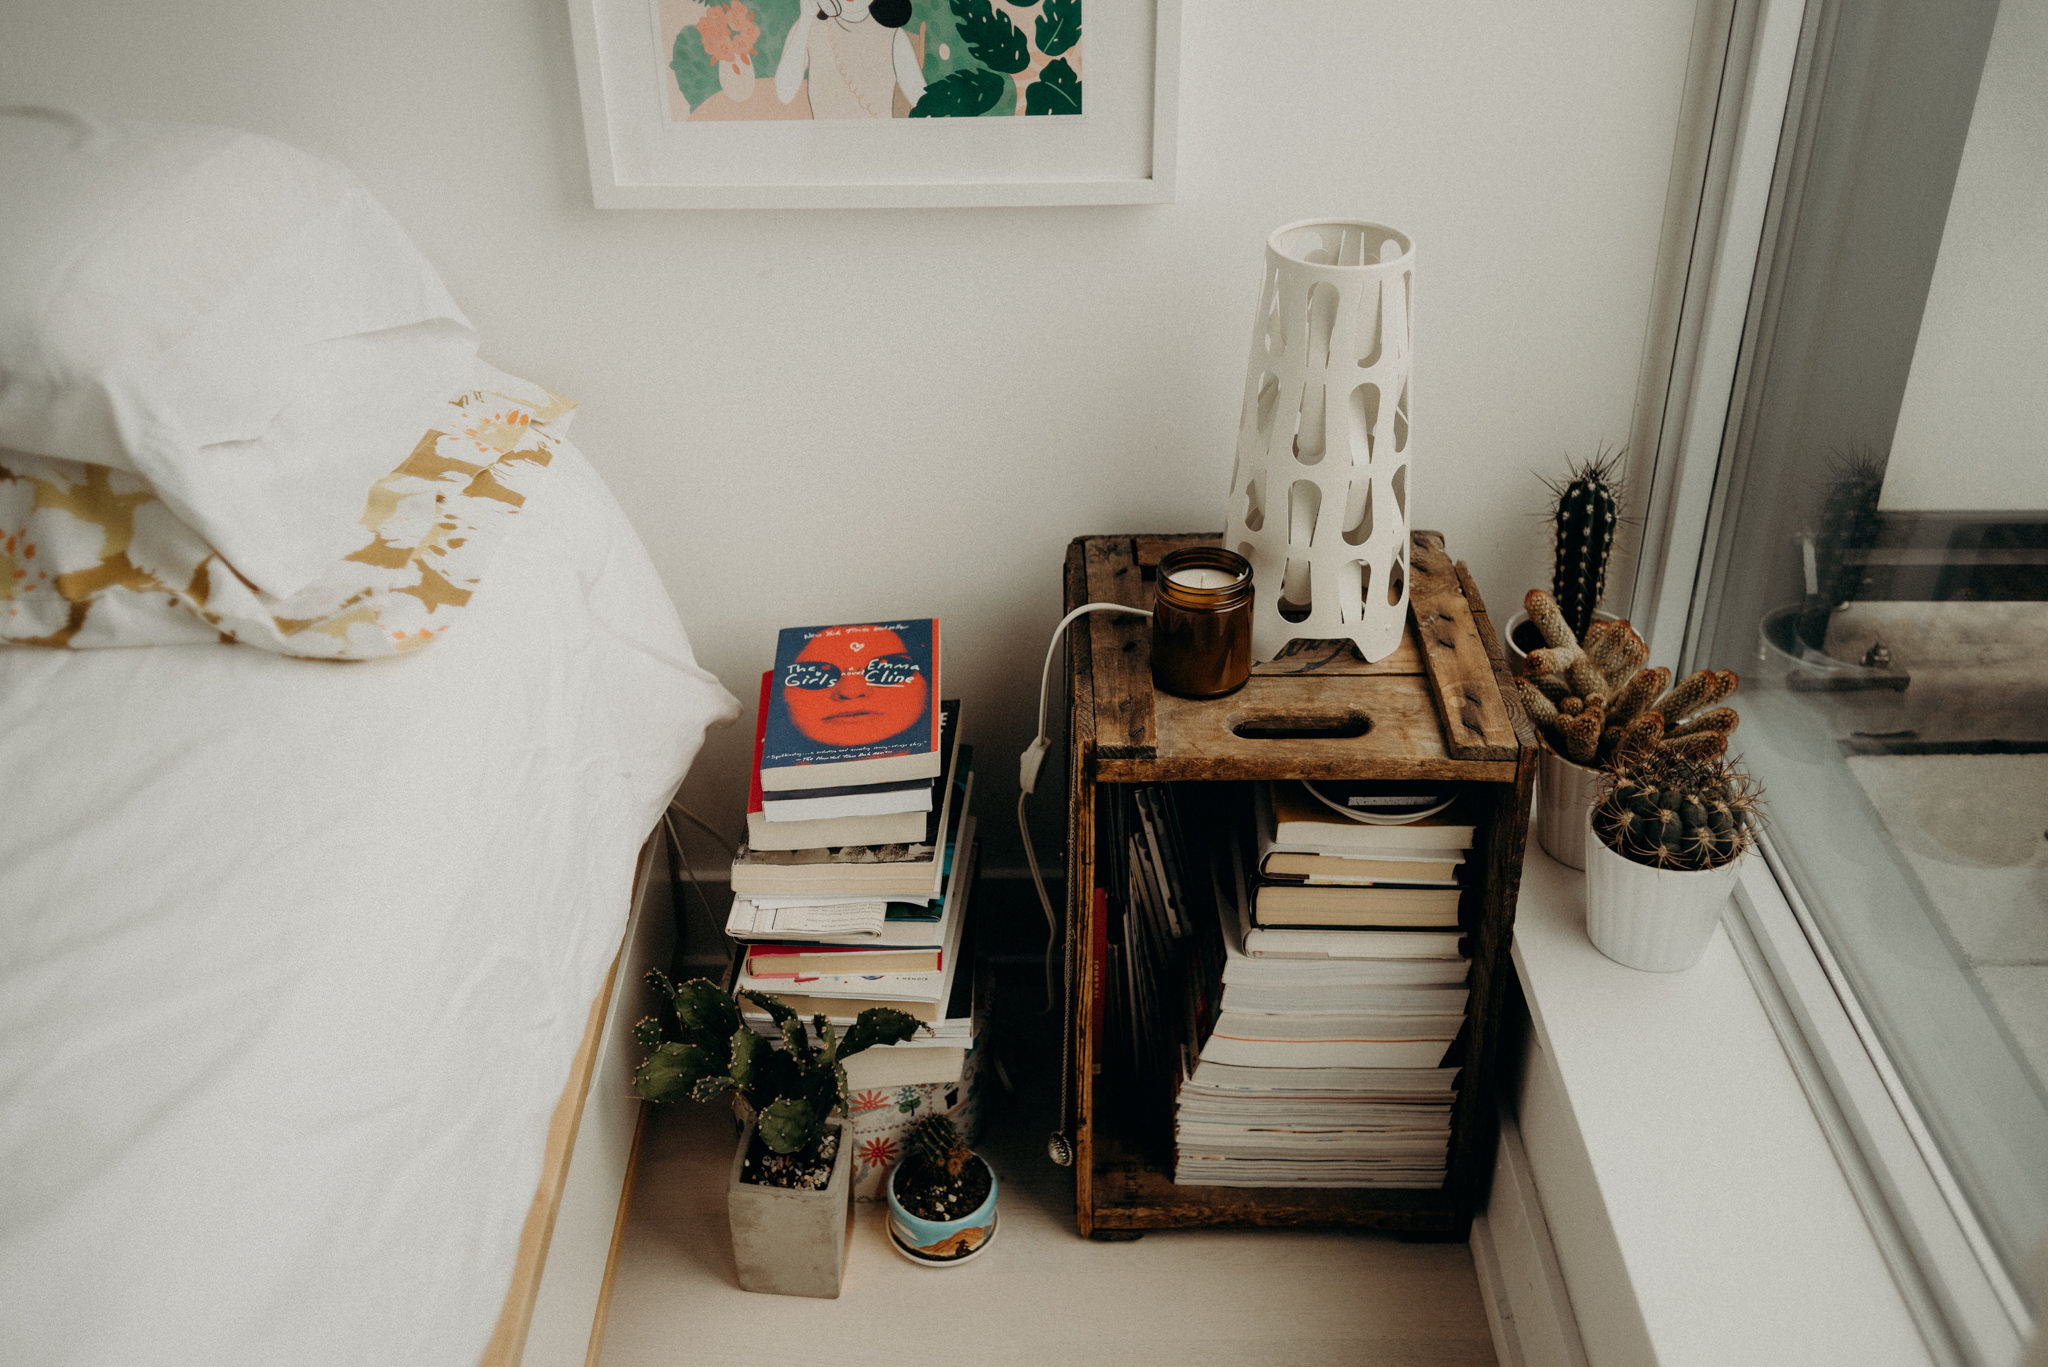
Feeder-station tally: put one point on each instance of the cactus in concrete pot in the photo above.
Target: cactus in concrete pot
(788, 1191)
(701, 1050)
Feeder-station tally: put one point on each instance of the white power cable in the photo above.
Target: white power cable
(1028, 764)
(1033, 758)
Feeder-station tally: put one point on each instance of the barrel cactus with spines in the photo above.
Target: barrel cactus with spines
(1669, 810)
(1584, 520)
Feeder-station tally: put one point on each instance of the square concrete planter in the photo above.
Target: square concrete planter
(791, 1243)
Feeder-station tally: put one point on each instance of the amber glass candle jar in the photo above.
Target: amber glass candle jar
(1202, 623)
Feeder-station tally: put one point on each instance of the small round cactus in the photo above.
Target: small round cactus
(937, 1145)
(1670, 810)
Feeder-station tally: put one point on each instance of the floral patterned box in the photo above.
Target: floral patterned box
(882, 1117)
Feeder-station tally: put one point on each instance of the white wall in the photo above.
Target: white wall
(815, 416)
(1970, 433)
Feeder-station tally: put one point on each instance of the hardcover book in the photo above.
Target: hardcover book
(1304, 904)
(853, 704)
(1291, 820)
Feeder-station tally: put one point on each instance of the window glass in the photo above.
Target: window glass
(1880, 573)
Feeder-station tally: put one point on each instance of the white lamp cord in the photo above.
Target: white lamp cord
(1060, 1147)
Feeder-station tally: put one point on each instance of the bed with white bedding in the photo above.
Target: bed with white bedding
(296, 954)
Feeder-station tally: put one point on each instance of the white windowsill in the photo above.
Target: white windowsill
(1698, 1212)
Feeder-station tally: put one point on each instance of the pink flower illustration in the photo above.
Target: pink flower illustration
(878, 1153)
(729, 33)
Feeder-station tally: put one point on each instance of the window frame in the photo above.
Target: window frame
(1735, 197)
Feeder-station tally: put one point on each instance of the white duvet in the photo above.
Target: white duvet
(295, 956)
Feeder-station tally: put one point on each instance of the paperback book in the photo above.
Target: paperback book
(924, 995)
(853, 704)
(1300, 824)
(831, 818)
(1303, 904)
(893, 871)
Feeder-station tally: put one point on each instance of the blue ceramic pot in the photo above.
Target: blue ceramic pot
(942, 1243)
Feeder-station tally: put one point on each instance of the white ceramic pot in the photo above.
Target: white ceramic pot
(791, 1243)
(1564, 807)
(1657, 920)
(1518, 658)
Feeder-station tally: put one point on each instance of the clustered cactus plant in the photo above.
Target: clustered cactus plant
(1583, 522)
(935, 1143)
(1672, 811)
(1594, 702)
(701, 1050)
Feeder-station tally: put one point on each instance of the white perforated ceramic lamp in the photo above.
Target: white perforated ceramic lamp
(1319, 495)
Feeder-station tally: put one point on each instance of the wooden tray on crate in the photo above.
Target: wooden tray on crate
(1441, 707)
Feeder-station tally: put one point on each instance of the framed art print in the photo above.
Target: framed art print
(877, 103)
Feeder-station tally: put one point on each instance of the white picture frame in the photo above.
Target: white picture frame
(1119, 150)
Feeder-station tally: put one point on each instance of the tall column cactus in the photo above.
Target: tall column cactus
(1583, 523)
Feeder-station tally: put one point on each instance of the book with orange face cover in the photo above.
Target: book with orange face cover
(853, 704)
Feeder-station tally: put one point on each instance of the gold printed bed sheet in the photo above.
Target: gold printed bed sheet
(91, 557)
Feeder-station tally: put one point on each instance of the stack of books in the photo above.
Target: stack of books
(1322, 1015)
(852, 890)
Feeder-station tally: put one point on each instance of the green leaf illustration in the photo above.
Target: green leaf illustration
(1059, 26)
(1056, 91)
(990, 36)
(964, 94)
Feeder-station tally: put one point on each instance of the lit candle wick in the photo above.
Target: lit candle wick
(1202, 577)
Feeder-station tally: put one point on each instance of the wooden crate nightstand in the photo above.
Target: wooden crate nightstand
(1439, 708)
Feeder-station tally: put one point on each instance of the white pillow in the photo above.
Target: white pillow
(236, 321)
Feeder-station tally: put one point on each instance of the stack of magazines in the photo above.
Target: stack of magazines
(1313, 1042)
